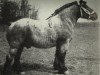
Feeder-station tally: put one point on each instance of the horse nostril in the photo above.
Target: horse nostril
(94, 16)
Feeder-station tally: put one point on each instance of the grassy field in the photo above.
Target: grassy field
(82, 57)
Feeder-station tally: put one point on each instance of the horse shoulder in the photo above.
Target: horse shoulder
(56, 20)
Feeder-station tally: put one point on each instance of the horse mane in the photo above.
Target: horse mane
(62, 8)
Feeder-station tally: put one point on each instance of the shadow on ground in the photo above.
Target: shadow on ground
(36, 67)
(33, 67)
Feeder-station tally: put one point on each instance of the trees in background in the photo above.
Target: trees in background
(26, 10)
(9, 11)
(34, 13)
(12, 11)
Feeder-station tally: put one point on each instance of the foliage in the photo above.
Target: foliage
(27, 10)
(9, 11)
(34, 14)
(12, 11)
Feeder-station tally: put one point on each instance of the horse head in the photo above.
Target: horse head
(86, 11)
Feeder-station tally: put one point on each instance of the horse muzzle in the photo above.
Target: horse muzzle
(93, 16)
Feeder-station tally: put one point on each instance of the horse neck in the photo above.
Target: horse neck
(72, 13)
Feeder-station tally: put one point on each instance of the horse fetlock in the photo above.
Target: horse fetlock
(56, 66)
(67, 72)
(6, 73)
(22, 73)
(7, 66)
(17, 67)
(6, 70)
(62, 70)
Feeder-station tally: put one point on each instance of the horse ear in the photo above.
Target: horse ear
(81, 2)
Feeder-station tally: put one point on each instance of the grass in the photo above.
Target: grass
(82, 57)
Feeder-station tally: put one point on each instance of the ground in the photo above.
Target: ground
(82, 57)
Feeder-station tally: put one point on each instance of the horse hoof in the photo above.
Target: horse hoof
(23, 73)
(66, 73)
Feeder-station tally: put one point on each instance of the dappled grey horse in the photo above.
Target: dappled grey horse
(55, 31)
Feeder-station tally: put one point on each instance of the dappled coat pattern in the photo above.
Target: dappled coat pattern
(42, 33)
(56, 30)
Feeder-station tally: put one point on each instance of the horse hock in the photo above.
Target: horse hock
(12, 56)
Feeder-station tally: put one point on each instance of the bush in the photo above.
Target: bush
(12, 11)
(9, 11)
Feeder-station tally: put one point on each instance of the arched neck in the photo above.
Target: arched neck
(72, 13)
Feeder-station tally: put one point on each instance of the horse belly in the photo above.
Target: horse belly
(43, 41)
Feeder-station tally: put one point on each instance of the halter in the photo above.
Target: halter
(86, 12)
(91, 14)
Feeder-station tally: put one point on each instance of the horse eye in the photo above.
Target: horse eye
(84, 5)
(87, 11)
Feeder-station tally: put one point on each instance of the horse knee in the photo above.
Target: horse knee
(65, 46)
(63, 50)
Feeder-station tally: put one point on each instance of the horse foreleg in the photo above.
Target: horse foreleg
(59, 62)
(17, 65)
(9, 59)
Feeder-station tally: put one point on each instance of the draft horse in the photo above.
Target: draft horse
(55, 31)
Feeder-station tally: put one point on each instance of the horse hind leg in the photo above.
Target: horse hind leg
(17, 65)
(9, 59)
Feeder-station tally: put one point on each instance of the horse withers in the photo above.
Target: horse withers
(55, 31)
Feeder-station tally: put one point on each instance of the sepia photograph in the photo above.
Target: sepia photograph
(49, 37)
